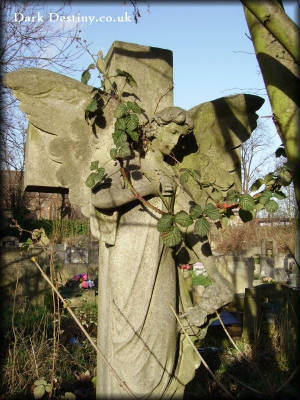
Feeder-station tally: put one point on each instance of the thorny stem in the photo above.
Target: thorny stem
(200, 357)
(136, 194)
(121, 383)
(254, 366)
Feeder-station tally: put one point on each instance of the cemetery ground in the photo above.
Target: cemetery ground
(265, 367)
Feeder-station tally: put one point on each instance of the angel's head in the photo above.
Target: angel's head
(168, 126)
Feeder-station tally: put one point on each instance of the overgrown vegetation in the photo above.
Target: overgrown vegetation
(28, 346)
(236, 239)
(54, 229)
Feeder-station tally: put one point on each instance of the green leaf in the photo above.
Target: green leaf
(38, 391)
(245, 215)
(172, 237)
(133, 106)
(121, 110)
(266, 196)
(124, 151)
(212, 212)
(120, 124)
(184, 177)
(134, 136)
(196, 174)
(99, 174)
(202, 227)
(119, 138)
(232, 196)
(259, 207)
(85, 76)
(247, 202)
(280, 152)
(92, 107)
(165, 223)
(271, 206)
(284, 175)
(201, 280)
(132, 122)
(48, 388)
(91, 180)
(196, 211)
(94, 381)
(128, 77)
(182, 218)
(40, 382)
(279, 195)
(256, 185)
(94, 165)
(224, 221)
(268, 178)
(113, 153)
(69, 396)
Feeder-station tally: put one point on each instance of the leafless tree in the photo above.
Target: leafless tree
(38, 44)
(257, 154)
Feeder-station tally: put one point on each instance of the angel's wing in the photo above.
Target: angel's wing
(220, 127)
(60, 143)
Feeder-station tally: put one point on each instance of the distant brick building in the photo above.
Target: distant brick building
(40, 205)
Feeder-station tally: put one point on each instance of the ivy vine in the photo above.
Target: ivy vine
(172, 227)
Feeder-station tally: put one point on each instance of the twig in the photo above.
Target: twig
(288, 380)
(254, 366)
(160, 98)
(200, 357)
(136, 194)
(121, 383)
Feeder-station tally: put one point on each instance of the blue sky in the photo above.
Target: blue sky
(212, 55)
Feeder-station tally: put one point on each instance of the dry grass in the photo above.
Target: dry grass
(239, 238)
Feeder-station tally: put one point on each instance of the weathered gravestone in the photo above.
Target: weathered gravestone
(137, 333)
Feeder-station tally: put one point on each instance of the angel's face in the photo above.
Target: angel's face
(167, 136)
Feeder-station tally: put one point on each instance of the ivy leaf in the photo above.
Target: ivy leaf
(120, 124)
(92, 107)
(121, 110)
(85, 76)
(256, 185)
(182, 218)
(279, 195)
(184, 177)
(113, 153)
(247, 202)
(124, 151)
(94, 165)
(196, 211)
(202, 227)
(134, 136)
(212, 212)
(133, 106)
(271, 206)
(245, 215)
(172, 237)
(165, 223)
(132, 122)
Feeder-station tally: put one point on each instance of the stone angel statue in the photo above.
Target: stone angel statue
(138, 280)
